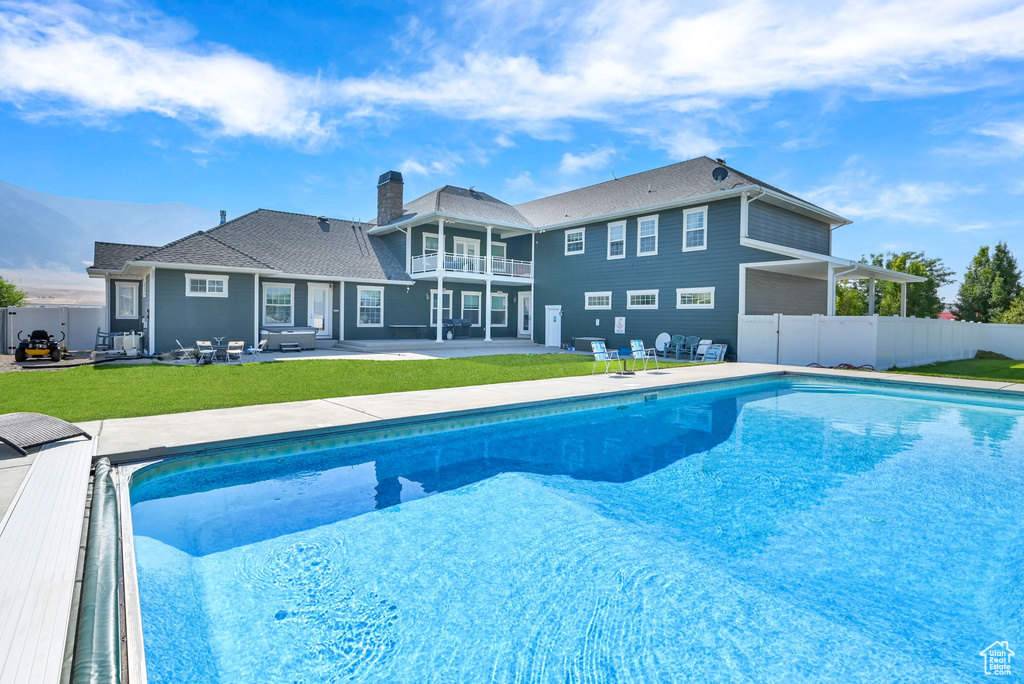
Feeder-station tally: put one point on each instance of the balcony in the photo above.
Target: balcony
(473, 265)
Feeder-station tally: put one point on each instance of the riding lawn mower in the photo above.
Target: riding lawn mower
(39, 345)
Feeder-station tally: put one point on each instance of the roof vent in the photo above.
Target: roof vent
(720, 160)
(223, 217)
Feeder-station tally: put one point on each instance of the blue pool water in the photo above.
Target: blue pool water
(778, 531)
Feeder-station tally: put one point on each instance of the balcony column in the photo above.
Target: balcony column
(440, 279)
(440, 245)
(487, 311)
(871, 296)
(488, 268)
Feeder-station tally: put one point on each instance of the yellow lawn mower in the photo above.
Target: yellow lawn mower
(39, 345)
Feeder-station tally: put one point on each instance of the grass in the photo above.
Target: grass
(112, 391)
(974, 369)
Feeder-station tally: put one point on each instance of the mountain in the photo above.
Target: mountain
(46, 240)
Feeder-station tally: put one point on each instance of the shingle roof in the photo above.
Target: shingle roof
(666, 184)
(113, 255)
(202, 248)
(464, 202)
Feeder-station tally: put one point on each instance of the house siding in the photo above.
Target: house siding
(563, 279)
(772, 293)
(769, 223)
(121, 325)
(201, 318)
(413, 308)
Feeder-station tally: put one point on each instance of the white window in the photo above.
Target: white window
(617, 240)
(695, 229)
(446, 307)
(471, 307)
(206, 285)
(277, 304)
(499, 309)
(430, 243)
(597, 300)
(371, 307)
(127, 295)
(498, 250)
(695, 298)
(575, 241)
(642, 299)
(647, 235)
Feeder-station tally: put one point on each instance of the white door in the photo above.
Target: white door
(467, 255)
(321, 301)
(446, 308)
(553, 325)
(525, 315)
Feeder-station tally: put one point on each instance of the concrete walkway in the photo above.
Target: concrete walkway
(158, 436)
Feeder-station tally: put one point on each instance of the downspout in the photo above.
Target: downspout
(745, 211)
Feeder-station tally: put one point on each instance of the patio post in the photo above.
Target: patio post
(871, 296)
(440, 278)
(903, 300)
(440, 305)
(487, 305)
(489, 263)
(830, 310)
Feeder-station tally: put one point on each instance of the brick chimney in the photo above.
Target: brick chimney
(390, 187)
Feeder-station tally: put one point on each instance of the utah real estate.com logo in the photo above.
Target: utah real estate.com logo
(997, 658)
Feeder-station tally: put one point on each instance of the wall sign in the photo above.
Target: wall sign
(620, 325)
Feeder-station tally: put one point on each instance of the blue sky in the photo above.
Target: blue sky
(906, 117)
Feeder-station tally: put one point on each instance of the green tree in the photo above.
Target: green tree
(922, 298)
(1014, 313)
(990, 285)
(10, 295)
(851, 300)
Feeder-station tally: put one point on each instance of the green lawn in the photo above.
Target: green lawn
(113, 391)
(977, 369)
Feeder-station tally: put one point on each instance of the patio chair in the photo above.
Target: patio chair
(257, 352)
(235, 351)
(674, 345)
(602, 355)
(690, 346)
(183, 352)
(640, 353)
(715, 353)
(104, 340)
(204, 352)
(661, 343)
(701, 350)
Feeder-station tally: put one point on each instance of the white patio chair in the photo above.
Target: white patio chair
(183, 352)
(602, 355)
(235, 351)
(204, 352)
(257, 352)
(641, 353)
(701, 350)
(715, 353)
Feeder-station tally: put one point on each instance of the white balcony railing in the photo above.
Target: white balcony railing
(462, 263)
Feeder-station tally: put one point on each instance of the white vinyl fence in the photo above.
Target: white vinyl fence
(78, 323)
(880, 341)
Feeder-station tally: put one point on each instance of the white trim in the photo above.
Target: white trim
(459, 240)
(441, 307)
(151, 312)
(586, 301)
(616, 224)
(291, 288)
(212, 268)
(255, 309)
(504, 297)
(359, 305)
(522, 309)
(695, 291)
(642, 219)
(423, 243)
(583, 240)
(696, 210)
(341, 310)
(504, 248)
(134, 285)
(632, 293)
(480, 310)
(207, 277)
(883, 273)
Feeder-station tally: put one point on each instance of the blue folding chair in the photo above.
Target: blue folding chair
(602, 355)
(639, 353)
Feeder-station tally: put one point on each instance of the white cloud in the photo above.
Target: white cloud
(503, 140)
(535, 64)
(441, 163)
(1010, 132)
(572, 164)
(522, 183)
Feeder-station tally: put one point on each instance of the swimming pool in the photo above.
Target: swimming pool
(778, 530)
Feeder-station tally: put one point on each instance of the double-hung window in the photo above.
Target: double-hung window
(647, 235)
(617, 240)
(278, 300)
(499, 310)
(597, 300)
(430, 243)
(206, 285)
(642, 299)
(695, 229)
(127, 298)
(695, 298)
(575, 241)
(471, 307)
(371, 307)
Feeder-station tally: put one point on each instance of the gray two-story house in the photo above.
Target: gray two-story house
(668, 250)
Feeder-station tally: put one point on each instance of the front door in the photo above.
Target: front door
(320, 308)
(467, 253)
(446, 308)
(553, 325)
(525, 315)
